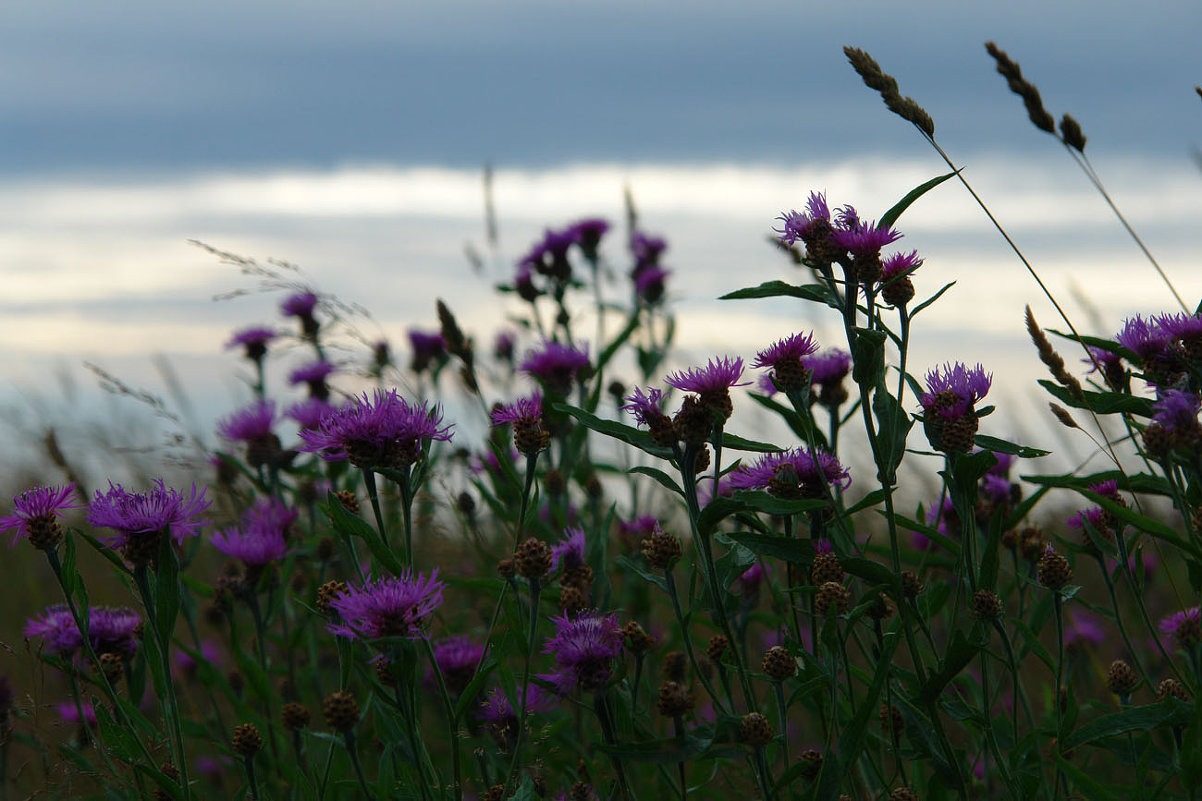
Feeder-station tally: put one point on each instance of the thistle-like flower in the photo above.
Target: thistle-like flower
(35, 515)
(584, 647)
(712, 384)
(556, 366)
(648, 410)
(949, 405)
(1184, 627)
(526, 416)
(384, 430)
(142, 518)
(793, 474)
(253, 341)
(394, 606)
(786, 359)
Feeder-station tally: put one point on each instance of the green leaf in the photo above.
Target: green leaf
(1169, 712)
(166, 590)
(801, 425)
(1101, 402)
(611, 428)
(350, 525)
(959, 653)
(122, 742)
(665, 751)
(631, 326)
(893, 428)
(870, 571)
(891, 216)
(868, 357)
(1002, 446)
(660, 476)
(867, 502)
(69, 571)
(471, 693)
(780, 289)
(914, 312)
(795, 551)
(641, 571)
(737, 443)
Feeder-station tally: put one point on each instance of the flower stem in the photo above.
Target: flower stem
(448, 710)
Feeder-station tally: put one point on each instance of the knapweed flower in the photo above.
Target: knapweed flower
(647, 248)
(110, 630)
(649, 283)
(498, 714)
(382, 431)
(896, 286)
(1111, 365)
(457, 659)
(587, 235)
(827, 371)
(712, 385)
(252, 426)
(35, 515)
(1174, 423)
(428, 349)
(255, 544)
(1082, 628)
(1186, 330)
(948, 404)
(584, 647)
(526, 416)
(813, 228)
(503, 347)
(556, 366)
(648, 410)
(1152, 346)
(141, 518)
(309, 412)
(568, 553)
(792, 474)
(394, 606)
(314, 375)
(1184, 627)
(786, 359)
(864, 241)
(253, 341)
(301, 305)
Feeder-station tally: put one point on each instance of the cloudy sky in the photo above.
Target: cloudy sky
(349, 139)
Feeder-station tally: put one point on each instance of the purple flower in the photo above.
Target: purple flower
(253, 340)
(792, 474)
(457, 659)
(556, 365)
(646, 248)
(631, 533)
(943, 518)
(309, 412)
(68, 711)
(584, 647)
(649, 283)
(313, 373)
(523, 410)
(384, 431)
(718, 376)
(646, 407)
(1144, 338)
(111, 630)
(253, 545)
(786, 359)
(899, 264)
(250, 424)
(1082, 628)
(1181, 326)
(1177, 410)
(1184, 627)
(56, 629)
(35, 515)
(1093, 516)
(830, 367)
(498, 712)
(587, 234)
(749, 580)
(503, 345)
(865, 239)
(952, 391)
(817, 219)
(427, 349)
(186, 664)
(1003, 464)
(139, 518)
(394, 606)
(299, 304)
(995, 489)
(568, 552)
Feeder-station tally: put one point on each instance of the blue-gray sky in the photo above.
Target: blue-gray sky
(150, 86)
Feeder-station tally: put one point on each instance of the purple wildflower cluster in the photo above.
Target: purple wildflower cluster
(111, 630)
(546, 267)
(584, 647)
(949, 405)
(793, 474)
(384, 430)
(141, 518)
(395, 606)
(262, 536)
(852, 243)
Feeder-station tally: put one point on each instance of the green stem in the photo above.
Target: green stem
(535, 591)
(449, 711)
(348, 739)
(670, 580)
(369, 482)
(251, 780)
